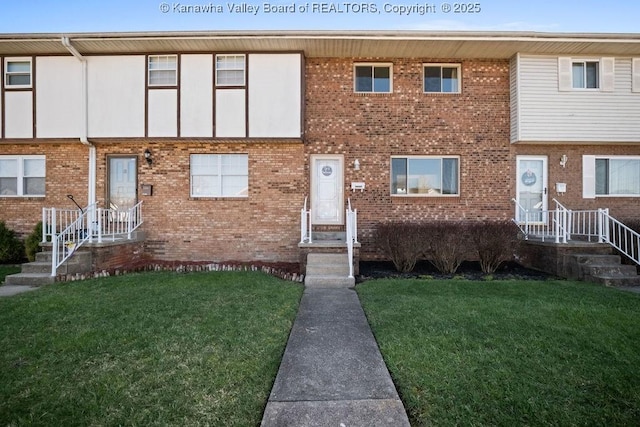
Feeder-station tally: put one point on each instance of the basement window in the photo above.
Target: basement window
(425, 176)
(219, 175)
(22, 176)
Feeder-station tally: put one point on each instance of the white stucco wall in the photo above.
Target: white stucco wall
(196, 96)
(163, 112)
(58, 97)
(18, 114)
(116, 96)
(230, 113)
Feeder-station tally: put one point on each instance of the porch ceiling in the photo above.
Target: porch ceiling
(383, 44)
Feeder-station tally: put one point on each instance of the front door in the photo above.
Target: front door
(123, 182)
(531, 187)
(327, 190)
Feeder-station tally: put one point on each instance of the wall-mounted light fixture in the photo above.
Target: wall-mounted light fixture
(563, 160)
(147, 157)
(356, 165)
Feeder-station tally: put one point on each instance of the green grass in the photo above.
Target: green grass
(144, 349)
(6, 270)
(509, 353)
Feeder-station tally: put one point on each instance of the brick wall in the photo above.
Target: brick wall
(67, 172)
(372, 127)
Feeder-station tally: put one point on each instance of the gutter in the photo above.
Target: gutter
(84, 131)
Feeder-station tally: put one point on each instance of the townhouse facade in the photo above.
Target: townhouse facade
(223, 136)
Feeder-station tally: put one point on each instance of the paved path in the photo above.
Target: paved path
(9, 290)
(332, 372)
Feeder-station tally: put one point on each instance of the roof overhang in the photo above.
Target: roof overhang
(362, 44)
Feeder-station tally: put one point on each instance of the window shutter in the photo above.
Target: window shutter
(608, 75)
(636, 75)
(564, 74)
(588, 177)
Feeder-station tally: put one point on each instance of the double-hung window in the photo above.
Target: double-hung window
(22, 176)
(163, 70)
(441, 78)
(373, 78)
(585, 74)
(618, 176)
(17, 73)
(425, 176)
(230, 70)
(219, 175)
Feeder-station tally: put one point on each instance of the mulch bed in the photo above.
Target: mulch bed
(468, 270)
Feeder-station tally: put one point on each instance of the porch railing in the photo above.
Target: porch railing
(305, 224)
(563, 224)
(352, 233)
(83, 225)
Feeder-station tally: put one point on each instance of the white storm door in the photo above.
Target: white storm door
(531, 187)
(123, 182)
(327, 190)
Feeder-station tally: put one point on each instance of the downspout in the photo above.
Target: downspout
(84, 129)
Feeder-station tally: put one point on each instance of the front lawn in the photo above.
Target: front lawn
(144, 349)
(509, 353)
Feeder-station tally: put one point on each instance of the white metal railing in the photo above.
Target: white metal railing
(82, 225)
(74, 235)
(305, 224)
(352, 233)
(618, 235)
(544, 224)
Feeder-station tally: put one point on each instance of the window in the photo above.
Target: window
(22, 176)
(373, 78)
(585, 74)
(162, 70)
(618, 176)
(442, 78)
(219, 175)
(18, 73)
(230, 70)
(424, 176)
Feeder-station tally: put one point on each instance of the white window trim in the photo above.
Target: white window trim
(422, 194)
(175, 70)
(243, 69)
(443, 65)
(590, 192)
(7, 73)
(373, 64)
(20, 175)
(219, 160)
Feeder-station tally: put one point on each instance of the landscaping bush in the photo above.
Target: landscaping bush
(446, 245)
(32, 242)
(401, 242)
(11, 247)
(495, 242)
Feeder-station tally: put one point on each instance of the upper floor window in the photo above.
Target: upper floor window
(585, 74)
(17, 73)
(163, 70)
(374, 78)
(22, 176)
(442, 78)
(425, 176)
(619, 176)
(219, 175)
(230, 70)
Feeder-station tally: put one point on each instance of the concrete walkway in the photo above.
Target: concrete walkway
(332, 372)
(10, 290)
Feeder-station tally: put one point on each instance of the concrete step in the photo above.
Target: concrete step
(328, 269)
(37, 267)
(329, 282)
(615, 281)
(29, 279)
(332, 258)
(329, 236)
(597, 259)
(610, 270)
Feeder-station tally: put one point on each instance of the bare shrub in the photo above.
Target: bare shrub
(495, 242)
(401, 242)
(447, 244)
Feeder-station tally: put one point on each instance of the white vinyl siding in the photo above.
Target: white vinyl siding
(22, 176)
(514, 94)
(219, 175)
(547, 114)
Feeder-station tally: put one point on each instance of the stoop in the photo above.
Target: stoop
(328, 270)
(604, 269)
(38, 273)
